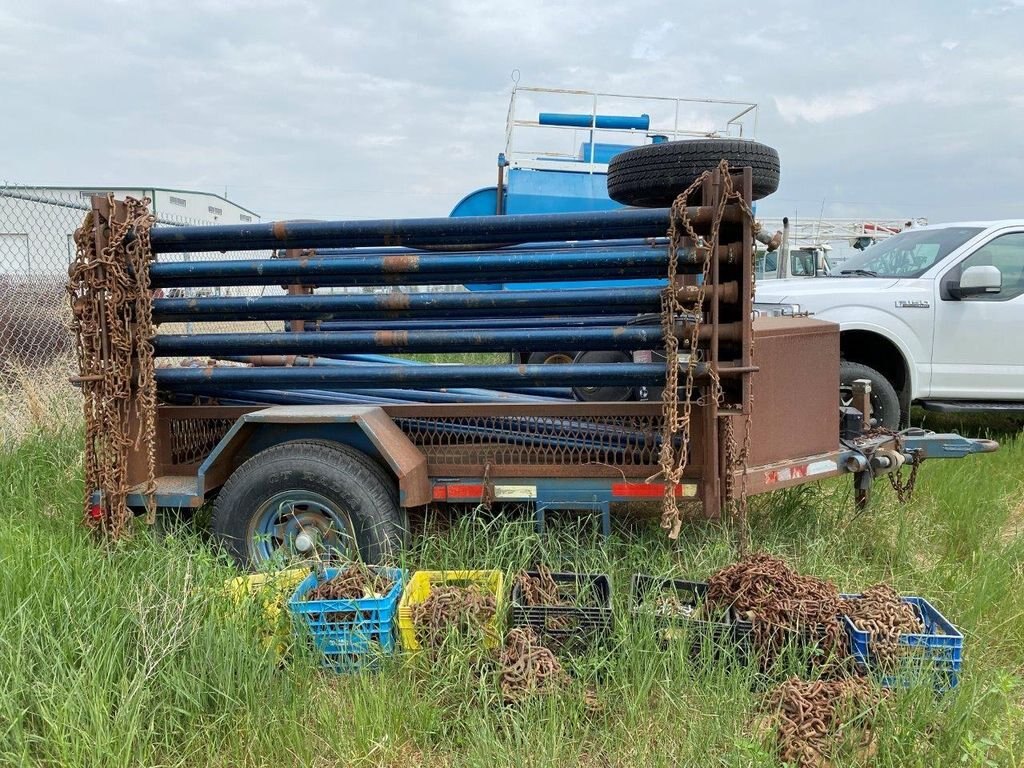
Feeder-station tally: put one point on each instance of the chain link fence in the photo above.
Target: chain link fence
(37, 227)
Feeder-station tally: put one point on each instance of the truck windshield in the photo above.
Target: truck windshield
(908, 254)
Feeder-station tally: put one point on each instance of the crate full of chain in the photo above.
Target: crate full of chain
(905, 644)
(566, 610)
(350, 612)
(438, 606)
(678, 608)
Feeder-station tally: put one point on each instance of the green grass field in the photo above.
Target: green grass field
(127, 656)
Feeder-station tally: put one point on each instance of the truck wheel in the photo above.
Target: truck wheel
(885, 403)
(550, 358)
(307, 498)
(652, 176)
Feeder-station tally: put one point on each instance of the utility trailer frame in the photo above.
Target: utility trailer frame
(554, 455)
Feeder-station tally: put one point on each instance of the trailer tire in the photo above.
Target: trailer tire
(885, 403)
(336, 496)
(652, 176)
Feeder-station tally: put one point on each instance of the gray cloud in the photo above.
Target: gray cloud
(316, 109)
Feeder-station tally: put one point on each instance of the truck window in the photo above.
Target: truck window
(1005, 253)
(910, 253)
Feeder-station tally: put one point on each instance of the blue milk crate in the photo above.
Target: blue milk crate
(937, 651)
(349, 632)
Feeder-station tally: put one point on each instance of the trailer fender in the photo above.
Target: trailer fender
(366, 428)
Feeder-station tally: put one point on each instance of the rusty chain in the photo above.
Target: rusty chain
(541, 589)
(881, 611)
(814, 718)
(784, 607)
(673, 460)
(449, 608)
(527, 667)
(354, 582)
(904, 489)
(111, 304)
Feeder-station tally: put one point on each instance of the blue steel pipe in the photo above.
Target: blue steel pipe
(417, 233)
(401, 341)
(424, 268)
(417, 377)
(575, 120)
(410, 305)
(478, 323)
(561, 245)
(556, 393)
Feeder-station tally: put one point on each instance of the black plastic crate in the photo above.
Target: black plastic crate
(572, 625)
(682, 616)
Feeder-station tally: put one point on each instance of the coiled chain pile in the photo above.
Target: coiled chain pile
(527, 667)
(810, 717)
(449, 608)
(783, 606)
(354, 582)
(880, 611)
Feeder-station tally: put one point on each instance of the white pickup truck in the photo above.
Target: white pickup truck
(933, 315)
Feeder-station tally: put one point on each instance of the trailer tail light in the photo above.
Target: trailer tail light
(96, 505)
(457, 492)
(649, 490)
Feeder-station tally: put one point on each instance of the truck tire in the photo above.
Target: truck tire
(311, 486)
(652, 176)
(885, 403)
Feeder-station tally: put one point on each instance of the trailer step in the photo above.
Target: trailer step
(973, 406)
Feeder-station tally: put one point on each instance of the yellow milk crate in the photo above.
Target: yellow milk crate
(272, 590)
(423, 582)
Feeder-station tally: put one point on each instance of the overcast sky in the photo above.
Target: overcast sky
(360, 109)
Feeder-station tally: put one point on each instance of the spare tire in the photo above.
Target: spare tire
(652, 176)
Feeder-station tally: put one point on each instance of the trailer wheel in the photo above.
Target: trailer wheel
(885, 403)
(307, 498)
(653, 175)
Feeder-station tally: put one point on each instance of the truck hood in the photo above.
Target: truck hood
(796, 290)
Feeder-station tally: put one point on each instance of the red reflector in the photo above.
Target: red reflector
(456, 492)
(95, 511)
(642, 490)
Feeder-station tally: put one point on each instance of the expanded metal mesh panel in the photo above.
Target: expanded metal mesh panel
(191, 440)
(536, 440)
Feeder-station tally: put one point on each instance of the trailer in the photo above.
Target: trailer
(314, 443)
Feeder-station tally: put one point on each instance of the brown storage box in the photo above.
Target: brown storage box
(795, 408)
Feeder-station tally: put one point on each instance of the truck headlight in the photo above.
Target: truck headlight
(776, 310)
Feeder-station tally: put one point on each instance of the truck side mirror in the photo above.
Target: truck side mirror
(976, 281)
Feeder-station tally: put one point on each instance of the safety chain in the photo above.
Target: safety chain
(111, 306)
(905, 490)
(674, 456)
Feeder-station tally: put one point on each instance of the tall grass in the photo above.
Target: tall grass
(125, 655)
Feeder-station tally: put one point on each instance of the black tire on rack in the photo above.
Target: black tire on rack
(652, 176)
(314, 487)
(598, 393)
(550, 358)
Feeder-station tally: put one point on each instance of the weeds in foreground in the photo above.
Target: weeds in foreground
(126, 656)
